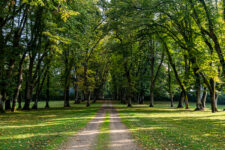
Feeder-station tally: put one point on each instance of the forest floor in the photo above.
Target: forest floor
(104, 132)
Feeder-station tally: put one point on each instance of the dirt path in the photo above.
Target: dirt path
(120, 136)
(86, 139)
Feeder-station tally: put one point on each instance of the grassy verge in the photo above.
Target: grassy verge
(43, 129)
(163, 127)
(104, 136)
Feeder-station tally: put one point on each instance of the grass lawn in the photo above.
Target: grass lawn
(163, 127)
(43, 129)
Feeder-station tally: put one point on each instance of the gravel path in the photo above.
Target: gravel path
(86, 139)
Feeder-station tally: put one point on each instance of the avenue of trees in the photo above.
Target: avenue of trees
(128, 49)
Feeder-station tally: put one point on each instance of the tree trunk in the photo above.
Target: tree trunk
(94, 100)
(35, 105)
(123, 96)
(83, 96)
(152, 59)
(66, 96)
(198, 93)
(177, 77)
(86, 85)
(213, 96)
(216, 101)
(76, 96)
(29, 86)
(171, 100)
(20, 101)
(88, 99)
(182, 97)
(8, 104)
(19, 84)
(47, 90)
(68, 67)
(204, 96)
(169, 86)
(151, 97)
(140, 98)
(96, 95)
(1, 104)
(127, 71)
(186, 100)
(213, 106)
(129, 104)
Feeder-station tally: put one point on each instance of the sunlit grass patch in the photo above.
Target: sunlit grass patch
(163, 127)
(43, 129)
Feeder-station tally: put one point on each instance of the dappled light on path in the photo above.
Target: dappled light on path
(86, 138)
(121, 138)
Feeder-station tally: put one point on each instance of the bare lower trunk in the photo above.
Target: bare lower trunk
(8, 104)
(216, 102)
(47, 92)
(28, 98)
(35, 106)
(20, 101)
(16, 96)
(76, 92)
(140, 99)
(198, 93)
(82, 96)
(213, 106)
(180, 104)
(204, 96)
(96, 95)
(19, 84)
(129, 102)
(123, 96)
(129, 89)
(169, 86)
(95, 99)
(1, 105)
(186, 100)
(171, 100)
(151, 98)
(29, 86)
(213, 96)
(66, 97)
(88, 99)
(172, 64)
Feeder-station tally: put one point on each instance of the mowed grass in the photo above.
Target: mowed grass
(104, 136)
(163, 127)
(43, 129)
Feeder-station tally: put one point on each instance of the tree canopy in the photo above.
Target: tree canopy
(128, 50)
